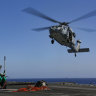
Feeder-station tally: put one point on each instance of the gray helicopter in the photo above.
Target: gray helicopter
(62, 33)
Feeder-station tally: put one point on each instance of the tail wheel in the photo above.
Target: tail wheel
(52, 41)
(75, 55)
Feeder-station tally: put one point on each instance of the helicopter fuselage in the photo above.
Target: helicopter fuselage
(63, 35)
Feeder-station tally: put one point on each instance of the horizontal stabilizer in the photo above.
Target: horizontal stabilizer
(80, 50)
(84, 50)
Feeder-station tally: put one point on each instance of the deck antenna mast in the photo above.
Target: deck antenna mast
(4, 64)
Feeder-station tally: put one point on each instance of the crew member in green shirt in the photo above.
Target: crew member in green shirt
(0, 79)
(3, 81)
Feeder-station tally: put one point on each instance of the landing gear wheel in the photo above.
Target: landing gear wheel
(52, 41)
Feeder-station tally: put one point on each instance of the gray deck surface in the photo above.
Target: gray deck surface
(55, 91)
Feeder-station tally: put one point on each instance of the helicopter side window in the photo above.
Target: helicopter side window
(70, 36)
(74, 34)
(64, 28)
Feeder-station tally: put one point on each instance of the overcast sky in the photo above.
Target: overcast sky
(30, 54)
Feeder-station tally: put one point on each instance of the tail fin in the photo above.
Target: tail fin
(80, 50)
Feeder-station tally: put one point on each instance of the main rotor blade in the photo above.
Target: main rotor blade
(39, 14)
(41, 29)
(90, 14)
(87, 29)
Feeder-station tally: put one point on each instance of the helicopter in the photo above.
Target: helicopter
(62, 33)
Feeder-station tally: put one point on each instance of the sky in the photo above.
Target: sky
(30, 54)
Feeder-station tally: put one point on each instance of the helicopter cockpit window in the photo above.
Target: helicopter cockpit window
(60, 26)
(64, 28)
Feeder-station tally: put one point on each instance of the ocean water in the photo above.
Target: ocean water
(75, 80)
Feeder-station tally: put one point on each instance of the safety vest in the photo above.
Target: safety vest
(3, 79)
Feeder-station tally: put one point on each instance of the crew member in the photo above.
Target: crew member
(3, 82)
(0, 79)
